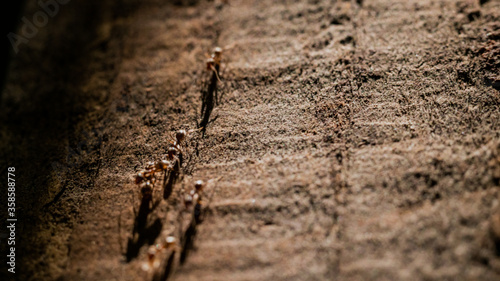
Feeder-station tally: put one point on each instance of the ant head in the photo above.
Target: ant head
(151, 252)
(198, 185)
(217, 55)
(180, 135)
(217, 51)
(170, 241)
(210, 63)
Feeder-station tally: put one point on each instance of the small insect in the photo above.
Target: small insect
(196, 196)
(174, 169)
(162, 166)
(153, 263)
(172, 153)
(180, 136)
(214, 61)
(172, 156)
(210, 63)
(139, 178)
(145, 176)
(217, 55)
(209, 92)
(199, 185)
(170, 243)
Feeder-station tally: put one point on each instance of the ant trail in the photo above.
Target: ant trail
(191, 207)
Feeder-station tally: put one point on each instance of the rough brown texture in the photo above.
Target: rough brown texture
(355, 140)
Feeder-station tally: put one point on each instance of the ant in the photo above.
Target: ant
(145, 176)
(214, 61)
(146, 180)
(153, 263)
(180, 140)
(162, 166)
(199, 185)
(174, 168)
(198, 189)
(148, 174)
(180, 136)
(194, 195)
(174, 160)
(194, 198)
(209, 95)
(217, 55)
(170, 243)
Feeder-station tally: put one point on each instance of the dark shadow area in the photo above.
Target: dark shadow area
(167, 268)
(42, 102)
(187, 241)
(185, 2)
(141, 234)
(142, 216)
(11, 15)
(146, 235)
(198, 213)
(209, 99)
(168, 183)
